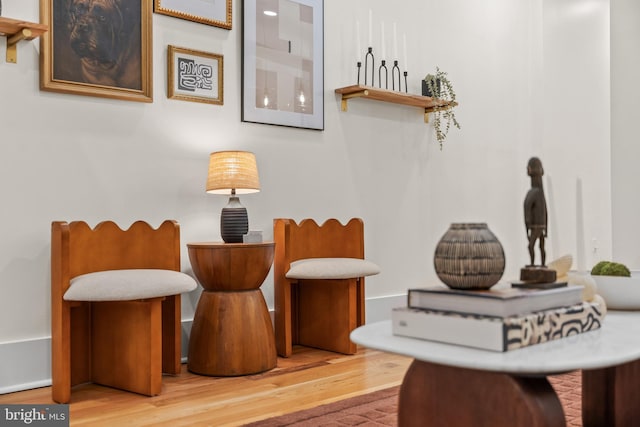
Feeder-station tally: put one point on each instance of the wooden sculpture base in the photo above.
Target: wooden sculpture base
(537, 274)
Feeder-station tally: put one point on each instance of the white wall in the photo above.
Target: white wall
(575, 128)
(531, 78)
(625, 149)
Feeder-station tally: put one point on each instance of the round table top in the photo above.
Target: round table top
(616, 342)
(223, 245)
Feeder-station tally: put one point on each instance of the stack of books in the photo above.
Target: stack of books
(500, 319)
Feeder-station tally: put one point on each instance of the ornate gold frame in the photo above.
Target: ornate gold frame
(186, 12)
(80, 86)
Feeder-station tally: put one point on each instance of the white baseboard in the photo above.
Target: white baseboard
(27, 364)
(379, 308)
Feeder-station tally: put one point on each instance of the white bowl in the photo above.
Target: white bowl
(620, 293)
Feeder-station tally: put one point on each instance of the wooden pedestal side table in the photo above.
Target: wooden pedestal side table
(232, 332)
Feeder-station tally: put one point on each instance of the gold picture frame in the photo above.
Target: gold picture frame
(105, 55)
(194, 75)
(212, 12)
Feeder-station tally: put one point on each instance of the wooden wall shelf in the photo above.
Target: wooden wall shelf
(16, 30)
(428, 104)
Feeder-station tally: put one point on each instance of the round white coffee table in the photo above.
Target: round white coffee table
(455, 385)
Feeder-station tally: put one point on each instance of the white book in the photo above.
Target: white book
(496, 333)
(501, 300)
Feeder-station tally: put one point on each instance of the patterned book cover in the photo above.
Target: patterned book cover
(497, 333)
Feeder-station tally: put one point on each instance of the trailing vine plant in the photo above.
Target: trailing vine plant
(440, 87)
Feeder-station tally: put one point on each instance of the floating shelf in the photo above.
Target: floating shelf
(16, 30)
(428, 104)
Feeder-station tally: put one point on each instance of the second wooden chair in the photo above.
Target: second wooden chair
(319, 283)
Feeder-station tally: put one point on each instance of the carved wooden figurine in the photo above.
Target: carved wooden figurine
(535, 219)
(535, 210)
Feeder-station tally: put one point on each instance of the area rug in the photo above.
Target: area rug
(380, 408)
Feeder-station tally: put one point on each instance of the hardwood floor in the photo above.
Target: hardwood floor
(308, 378)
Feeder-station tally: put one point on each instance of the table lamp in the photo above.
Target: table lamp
(233, 172)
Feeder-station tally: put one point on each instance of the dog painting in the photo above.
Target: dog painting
(98, 42)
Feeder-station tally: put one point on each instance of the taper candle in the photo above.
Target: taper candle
(384, 54)
(358, 47)
(370, 28)
(404, 53)
(395, 42)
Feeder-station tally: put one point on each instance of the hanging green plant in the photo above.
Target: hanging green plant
(440, 87)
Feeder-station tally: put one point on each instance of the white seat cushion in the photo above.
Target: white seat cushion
(331, 268)
(125, 285)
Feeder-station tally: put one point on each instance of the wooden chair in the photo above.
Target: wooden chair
(319, 283)
(115, 305)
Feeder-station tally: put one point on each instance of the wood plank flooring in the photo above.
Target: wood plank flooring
(309, 378)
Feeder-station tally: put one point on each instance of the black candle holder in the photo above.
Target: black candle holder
(359, 64)
(393, 76)
(386, 75)
(406, 88)
(366, 65)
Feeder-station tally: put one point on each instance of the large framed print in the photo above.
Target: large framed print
(210, 12)
(283, 63)
(195, 75)
(97, 48)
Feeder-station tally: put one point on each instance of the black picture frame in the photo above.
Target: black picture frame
(283, 63)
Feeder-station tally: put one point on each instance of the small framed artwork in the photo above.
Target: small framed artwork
(210, 12)
(283, 63)
(195, 76)
(97, 48)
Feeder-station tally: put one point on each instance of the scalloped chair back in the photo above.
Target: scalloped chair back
(115, 298)
(319, 275)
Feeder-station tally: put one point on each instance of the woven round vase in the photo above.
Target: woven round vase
(469, 256)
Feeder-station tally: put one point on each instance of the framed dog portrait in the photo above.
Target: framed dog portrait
(210, 12)
(97, 48)
(195, 76)
(283, 63)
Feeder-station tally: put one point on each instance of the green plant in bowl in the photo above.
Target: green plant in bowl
(610, 268)
(617, 285)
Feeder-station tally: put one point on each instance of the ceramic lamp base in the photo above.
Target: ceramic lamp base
(234, 222)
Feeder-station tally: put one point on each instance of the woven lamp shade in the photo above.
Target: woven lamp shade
(233, 170)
